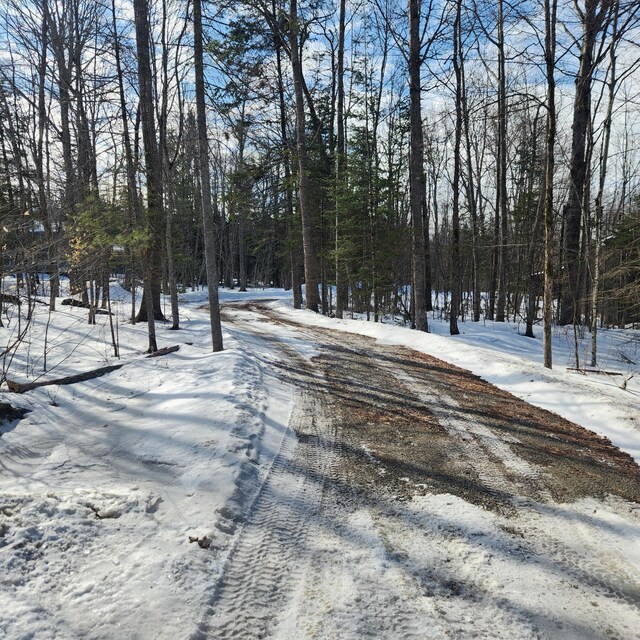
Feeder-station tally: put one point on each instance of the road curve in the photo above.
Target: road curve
(410, 499)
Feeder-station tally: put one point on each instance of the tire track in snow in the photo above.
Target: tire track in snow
(581, 554)
(491, 455)
(573, 557)
(353, 586)
(264, 563)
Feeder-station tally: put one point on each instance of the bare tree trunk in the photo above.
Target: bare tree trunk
(550, 8)
(604, 157)
(63, 45)
(501, 209)
(532, 248)
(104, 280)
(416, 169)
(167, 168)
(311, 263)
(59, 37)
(171, 267)
(45, 210)
(133, 201)
(242, 256)
(208, 223)
(293, 250)
(471, 197)
(342, 291)
(592, 20)
(153, 172)
(457, 161)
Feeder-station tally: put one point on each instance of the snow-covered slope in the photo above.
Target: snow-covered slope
(103, 484)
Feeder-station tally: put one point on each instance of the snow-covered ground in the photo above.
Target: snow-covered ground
(107, 488)
(102, 484)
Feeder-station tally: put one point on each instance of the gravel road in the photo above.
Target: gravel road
(411, 499)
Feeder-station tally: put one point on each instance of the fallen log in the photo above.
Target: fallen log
(163, 352)
(11, 299)
(9, 412)
(601, 372)
(71, 302)
(19, 387)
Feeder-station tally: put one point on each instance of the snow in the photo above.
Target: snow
(103, 484)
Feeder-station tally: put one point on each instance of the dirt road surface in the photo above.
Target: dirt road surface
(410, 499)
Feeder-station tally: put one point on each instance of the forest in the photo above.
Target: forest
(319, 319)
(474, 160)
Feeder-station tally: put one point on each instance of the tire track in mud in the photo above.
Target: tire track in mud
(464, 456)
(500, 470)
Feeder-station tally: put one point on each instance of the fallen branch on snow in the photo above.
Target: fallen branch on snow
(599, 371)
(11, 299)
(163, 352)
(19, 387)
